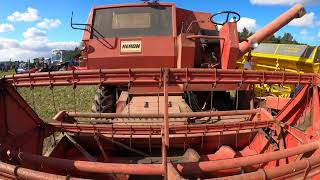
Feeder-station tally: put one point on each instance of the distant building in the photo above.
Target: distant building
(59, 56)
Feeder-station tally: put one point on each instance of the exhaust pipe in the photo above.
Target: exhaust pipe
(296, 11)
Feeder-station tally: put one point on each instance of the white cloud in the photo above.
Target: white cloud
(9, 43)
(250, 24)
(281, 2)
(43, 47)
(319, 34)
(49, 23)
(307, 20)
(6, 28)
(305, 35)
(27, 49)
(34, 33)
(29, 16)
(308, 38)
(35, 44)
(304, 32)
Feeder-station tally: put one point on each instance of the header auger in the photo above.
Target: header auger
(170, 105)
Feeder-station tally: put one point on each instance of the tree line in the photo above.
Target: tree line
(73, 54)
(287, 38)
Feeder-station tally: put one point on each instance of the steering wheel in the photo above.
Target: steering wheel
(236, 17)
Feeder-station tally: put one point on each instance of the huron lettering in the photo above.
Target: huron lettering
(135, 46)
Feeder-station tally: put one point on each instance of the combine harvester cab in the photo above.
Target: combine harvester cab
(151, 131)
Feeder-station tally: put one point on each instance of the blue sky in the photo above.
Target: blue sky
(31, 28)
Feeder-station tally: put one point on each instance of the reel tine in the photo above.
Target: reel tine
(237, 99)
(53, 99)
(33, 99)
(74, 99)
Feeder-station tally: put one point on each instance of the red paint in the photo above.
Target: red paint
(225, 143)
(295, 12)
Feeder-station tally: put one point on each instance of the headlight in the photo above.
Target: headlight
(254, 44)
(82, 46)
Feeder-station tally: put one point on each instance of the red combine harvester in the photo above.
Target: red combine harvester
(171, 105)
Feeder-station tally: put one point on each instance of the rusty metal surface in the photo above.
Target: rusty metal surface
(175, 130)
(108, 55)
(298, 169)
(184, 169)
(171, 115)
(276, 102)
(230, 44)
(253, 140)
(154, 77)
(23, 173)
(261, 120)
(154, 169)
(211, 166)
(19, 123)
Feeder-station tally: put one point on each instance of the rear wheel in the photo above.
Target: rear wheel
(104, 100)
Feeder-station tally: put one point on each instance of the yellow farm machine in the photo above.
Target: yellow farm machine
(282, 58)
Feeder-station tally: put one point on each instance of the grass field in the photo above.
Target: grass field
(2, 73)
(47, 102)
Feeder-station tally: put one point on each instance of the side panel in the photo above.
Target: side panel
(194, 20)
(229, 46)
(156, 52)
(186, 52)
(20, 126)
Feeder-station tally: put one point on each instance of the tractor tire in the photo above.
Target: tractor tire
(104, 100)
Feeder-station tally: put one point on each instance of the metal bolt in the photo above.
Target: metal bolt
(146, 105)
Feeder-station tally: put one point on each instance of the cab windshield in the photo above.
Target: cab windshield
(56, 56)
(132, 22)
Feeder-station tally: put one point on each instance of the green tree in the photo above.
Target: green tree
(287, 38)
(75, 53)
(69, 55)
(244, 34)
(272, 39)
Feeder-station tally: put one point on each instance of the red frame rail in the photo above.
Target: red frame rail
(188, 168)
(8, 171)
(155, 131)
(155, 76)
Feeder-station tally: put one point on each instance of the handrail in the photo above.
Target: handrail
(204, 37)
